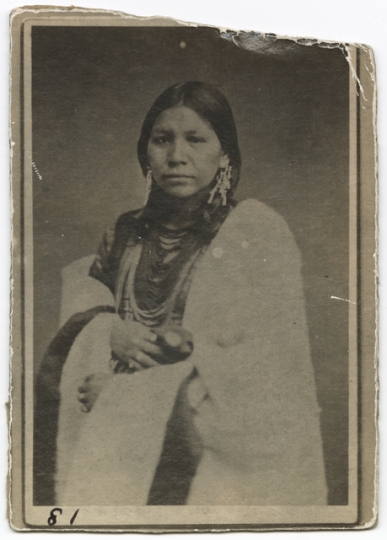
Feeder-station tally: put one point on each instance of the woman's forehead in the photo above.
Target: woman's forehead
(181, 118)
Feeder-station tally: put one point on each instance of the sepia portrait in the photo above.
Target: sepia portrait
(194, 287)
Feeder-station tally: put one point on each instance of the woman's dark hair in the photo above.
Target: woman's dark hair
(209, 103)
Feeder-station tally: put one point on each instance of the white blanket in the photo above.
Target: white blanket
(254, 404)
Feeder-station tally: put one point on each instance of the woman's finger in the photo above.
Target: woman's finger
(151, 336)
(144, 360)
(83, 388)
(134, 365)
(139, 332)
(82, 398)
(149, 348)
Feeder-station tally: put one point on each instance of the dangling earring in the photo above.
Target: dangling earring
(222, 185)
(148, 186)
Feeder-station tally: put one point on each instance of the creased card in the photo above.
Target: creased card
(194, 295)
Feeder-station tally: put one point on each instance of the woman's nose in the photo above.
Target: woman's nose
(177, 153)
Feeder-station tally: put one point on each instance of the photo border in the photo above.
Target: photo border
(362, 306)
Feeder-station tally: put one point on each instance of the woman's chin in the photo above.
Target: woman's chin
(181, 192)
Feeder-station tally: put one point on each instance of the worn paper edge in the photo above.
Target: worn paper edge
(231, 34)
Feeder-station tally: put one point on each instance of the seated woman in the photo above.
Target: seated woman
(200, 387)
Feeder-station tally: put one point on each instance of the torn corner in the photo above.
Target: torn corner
(267, 43)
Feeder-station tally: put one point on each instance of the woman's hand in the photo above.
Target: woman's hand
(91, 388)
(175, 342)
(134, 344)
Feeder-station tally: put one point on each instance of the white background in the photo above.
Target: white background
(362, 21)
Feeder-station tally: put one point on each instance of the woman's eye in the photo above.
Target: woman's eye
(196, 139)
(160, 139)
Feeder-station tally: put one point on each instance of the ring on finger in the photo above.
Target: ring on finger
(132, 366)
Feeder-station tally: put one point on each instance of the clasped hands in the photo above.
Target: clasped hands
(139, 347)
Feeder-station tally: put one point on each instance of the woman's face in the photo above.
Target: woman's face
(184, 152)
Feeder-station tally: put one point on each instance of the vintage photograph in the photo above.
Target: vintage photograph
(194, 285)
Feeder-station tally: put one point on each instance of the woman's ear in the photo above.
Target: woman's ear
(224, 161)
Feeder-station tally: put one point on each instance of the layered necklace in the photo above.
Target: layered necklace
(159, 275)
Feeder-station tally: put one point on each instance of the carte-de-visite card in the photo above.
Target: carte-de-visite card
(194, 317)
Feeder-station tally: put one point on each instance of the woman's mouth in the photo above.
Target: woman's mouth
(176, 175)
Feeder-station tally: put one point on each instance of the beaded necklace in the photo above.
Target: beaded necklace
(158, 275)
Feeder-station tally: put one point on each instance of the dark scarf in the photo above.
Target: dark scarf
(206, 219)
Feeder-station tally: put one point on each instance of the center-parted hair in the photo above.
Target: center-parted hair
(211, 105)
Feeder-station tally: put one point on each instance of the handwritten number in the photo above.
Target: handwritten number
(74, 516)
(52, 519)
(53, 516)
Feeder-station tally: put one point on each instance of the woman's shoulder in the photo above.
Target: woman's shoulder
(256, 224)
(256, 214)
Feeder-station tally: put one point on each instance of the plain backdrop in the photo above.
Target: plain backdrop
(91, 89)
(362, 21)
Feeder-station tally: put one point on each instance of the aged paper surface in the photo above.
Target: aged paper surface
(211, 365)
